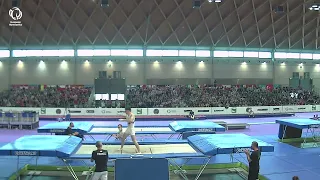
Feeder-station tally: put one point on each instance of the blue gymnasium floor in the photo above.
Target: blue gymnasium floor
(285, 162)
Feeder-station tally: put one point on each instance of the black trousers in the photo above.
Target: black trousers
(253, 174)
(80, 136)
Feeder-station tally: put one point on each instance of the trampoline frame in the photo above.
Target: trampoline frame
(172, 161)
(312, 130)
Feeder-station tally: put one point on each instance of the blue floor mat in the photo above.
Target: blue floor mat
(305, 161)
(303, 175)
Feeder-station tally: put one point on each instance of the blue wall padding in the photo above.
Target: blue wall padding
(141, 169)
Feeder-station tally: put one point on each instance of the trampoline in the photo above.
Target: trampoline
(181, 128)
(293, 128)
(67, 148)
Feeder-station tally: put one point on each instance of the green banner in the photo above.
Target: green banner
(43, 111)
(139, 111)
(233, 110)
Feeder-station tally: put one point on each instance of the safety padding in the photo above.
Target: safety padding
(212, 144)
(61, 127)
(42, 145)
(299, 123)
(203, 126)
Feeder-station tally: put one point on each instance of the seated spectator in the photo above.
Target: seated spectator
(70, 132)
(120, 133)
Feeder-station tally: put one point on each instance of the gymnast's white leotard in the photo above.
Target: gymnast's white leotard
(130, 129)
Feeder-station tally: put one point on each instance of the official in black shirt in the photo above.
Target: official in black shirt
(295, 178)
(100, 157)
(253, 159)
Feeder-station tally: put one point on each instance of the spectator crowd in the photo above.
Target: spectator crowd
(56, 96)
(222, 96)
(162, 96)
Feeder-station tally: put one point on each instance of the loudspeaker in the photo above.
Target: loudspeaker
(196, 3)
(104, 3)
(278, 9)
(15, 3)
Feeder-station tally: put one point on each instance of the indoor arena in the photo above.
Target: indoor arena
(159, 90)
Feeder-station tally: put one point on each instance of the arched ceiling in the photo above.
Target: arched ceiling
(232, 23)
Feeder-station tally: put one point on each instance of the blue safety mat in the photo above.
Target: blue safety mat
(212, 144)
(61, 127)
(42, 145)
(185, 126)
(299, 123)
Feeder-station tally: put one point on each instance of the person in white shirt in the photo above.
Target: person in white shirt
(130, 119)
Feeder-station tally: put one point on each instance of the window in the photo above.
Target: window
(187, 53)
(220, 53)
(119, 52)
(4, 53)
(280, 55)
(135, 52)
(293, 55)
(170, 53)
(251, 54)
(154, 53)
(235, 53)
(316, 56)
(202, 53)
(265, 55)
(305, 55)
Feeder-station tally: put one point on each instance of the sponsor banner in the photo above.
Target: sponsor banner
(288, 109)
(140, 111)
(303, 108)
(43, 111)
(75, 111)
(219, 110)
(25, 153)
(259, 109)
(166, 111)
(275, 109)
(90, 111)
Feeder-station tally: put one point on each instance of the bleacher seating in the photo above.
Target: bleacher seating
(160, 96)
